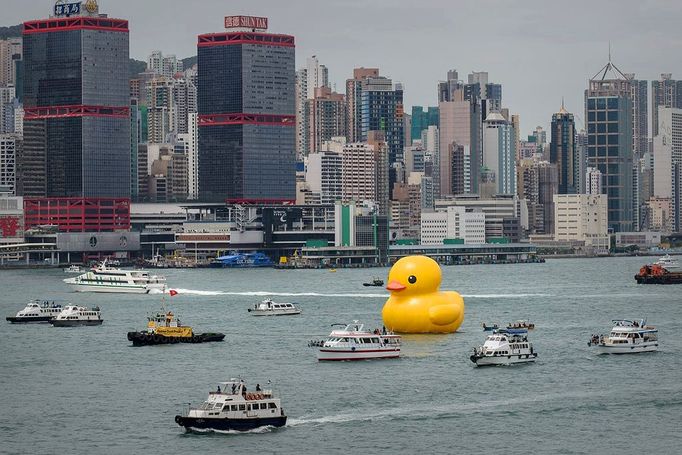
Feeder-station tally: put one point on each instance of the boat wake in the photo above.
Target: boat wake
(446, 410)
(357, 294)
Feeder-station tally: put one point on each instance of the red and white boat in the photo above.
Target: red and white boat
(354, 343)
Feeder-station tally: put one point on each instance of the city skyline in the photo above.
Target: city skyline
(521, 46)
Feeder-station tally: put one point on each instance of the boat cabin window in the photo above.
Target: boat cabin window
(242, 407)
(375, 340)
(367, 340)
(272, 405)
(233, 407)
(263, 405)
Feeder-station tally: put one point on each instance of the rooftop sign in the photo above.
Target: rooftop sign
(252, 22)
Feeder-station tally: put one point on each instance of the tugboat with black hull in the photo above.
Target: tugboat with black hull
(233, 408)
(73, 316)
(378, 282)
(36, 312)
(165, 328)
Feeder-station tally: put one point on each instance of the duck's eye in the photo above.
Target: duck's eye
(412, 279)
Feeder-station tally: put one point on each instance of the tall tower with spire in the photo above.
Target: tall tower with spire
(562, 150)
(608, 118)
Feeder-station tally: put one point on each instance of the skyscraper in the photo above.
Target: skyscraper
(562, 151)
(308, 79)
(667, 176)
(421, 120)
(76, 101)
(246, 104)
(608, 113)
(499, 152)
(382, 110)
(666, 92)
(354, 101)
(326, 117)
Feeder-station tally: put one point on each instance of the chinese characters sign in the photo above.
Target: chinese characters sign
(67, 9)
(246, 22)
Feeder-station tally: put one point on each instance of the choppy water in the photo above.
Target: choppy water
(86, 390)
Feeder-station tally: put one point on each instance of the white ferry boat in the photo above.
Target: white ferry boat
(354, 343)
(668, 262)
(505, 347)
(269, 308)
(108, 279)
(73, 315)
(232, 407)
(627, 337)
(36, 311)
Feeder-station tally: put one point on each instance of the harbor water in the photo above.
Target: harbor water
(87, 390)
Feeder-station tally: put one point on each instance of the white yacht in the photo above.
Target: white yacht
(627, 337)
(269, 308)
(505, 347)
(352, 342)
(668, 262)
(73, 315)
(36, 311)
(108, 279)
(232, 408)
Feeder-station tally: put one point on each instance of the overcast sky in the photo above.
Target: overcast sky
(539, 50)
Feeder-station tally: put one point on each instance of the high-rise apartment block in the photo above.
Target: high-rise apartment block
(382, 110)
(247, 121)
(326, 117)
(582, 217)
(10, 55)
(608, 114)
(76, 103)
(364, 172)
(420, 120)
(167, 66)
(667, 171)
(308, 79)
(10, 148)
(665, 92)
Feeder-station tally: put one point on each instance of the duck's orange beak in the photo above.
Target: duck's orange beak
(395, 286)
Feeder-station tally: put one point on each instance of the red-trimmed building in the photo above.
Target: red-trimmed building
(76, 102)
(247, 114)
(78, 214)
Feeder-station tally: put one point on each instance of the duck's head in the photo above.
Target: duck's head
(414, 275)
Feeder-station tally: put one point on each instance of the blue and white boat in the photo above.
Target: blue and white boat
(242, 260)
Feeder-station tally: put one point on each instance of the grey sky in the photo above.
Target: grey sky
(538, 50)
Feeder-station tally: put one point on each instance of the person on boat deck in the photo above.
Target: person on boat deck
(258, 388)
(244, 390)
(234, 388)
(218, 389)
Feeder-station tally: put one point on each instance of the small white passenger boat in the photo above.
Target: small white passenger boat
(73, 315)
(627, 337)
(231, 407)
(505, 347)
(36, 311)
(668, 262)
(269, 308)
(352, 342)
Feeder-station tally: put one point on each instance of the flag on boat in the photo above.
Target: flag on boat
(172, 292)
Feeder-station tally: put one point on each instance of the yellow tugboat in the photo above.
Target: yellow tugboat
(165, 328)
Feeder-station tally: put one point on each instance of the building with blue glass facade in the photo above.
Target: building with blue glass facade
(421, 120)
(562, 151)
(76, 101)
(247, 117)
(382, 110)
(608, 114)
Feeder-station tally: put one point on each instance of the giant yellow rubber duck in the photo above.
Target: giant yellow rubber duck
(416, 305)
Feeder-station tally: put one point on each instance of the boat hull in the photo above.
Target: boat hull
(127, 289)
(626, 349)
(145, 339)
(74, 323)
(667, 278)
(33, 320)
(503, 360)
(196, 423)
(346, 354)
(273, 313)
